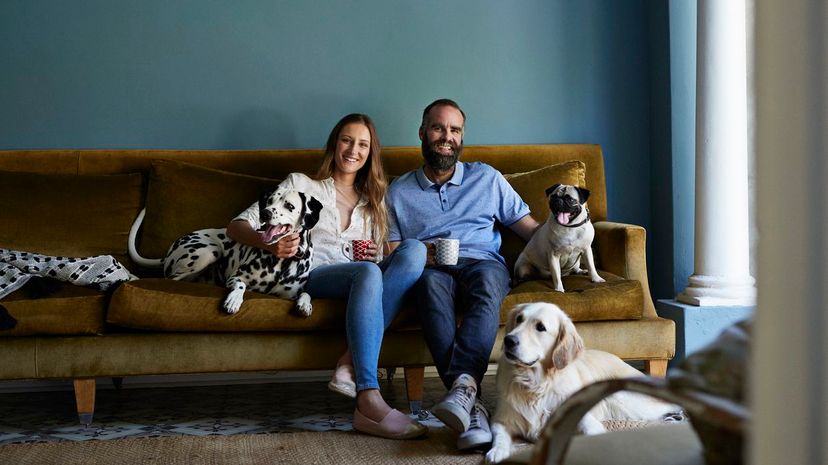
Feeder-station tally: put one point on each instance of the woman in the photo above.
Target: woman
(351, 185)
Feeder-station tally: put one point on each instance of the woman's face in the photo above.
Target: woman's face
(352, 148)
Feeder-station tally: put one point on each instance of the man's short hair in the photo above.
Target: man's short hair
(439, 103)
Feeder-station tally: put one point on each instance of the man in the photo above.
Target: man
(447, 198)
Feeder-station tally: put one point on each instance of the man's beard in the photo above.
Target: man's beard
(440, 162)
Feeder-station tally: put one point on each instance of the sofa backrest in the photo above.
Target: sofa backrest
(267, 164)
(279, 162)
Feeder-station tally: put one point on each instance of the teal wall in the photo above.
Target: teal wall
(672, 144)
(265, 73)
(269, 73)
(660, 233)
(682, 170)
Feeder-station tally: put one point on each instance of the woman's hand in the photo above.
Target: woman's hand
(372, 252)
(285, 247)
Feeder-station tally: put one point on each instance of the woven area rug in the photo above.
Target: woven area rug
(438, 448)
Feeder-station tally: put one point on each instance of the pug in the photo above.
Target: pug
(556, 248)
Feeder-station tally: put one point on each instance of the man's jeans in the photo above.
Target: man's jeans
(476, 289)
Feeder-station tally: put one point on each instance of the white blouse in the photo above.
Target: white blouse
(327, 236)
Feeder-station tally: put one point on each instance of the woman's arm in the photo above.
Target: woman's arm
(241, 232)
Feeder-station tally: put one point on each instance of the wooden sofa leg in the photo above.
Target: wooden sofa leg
(85, 399)
(656, 367)
(414, 377)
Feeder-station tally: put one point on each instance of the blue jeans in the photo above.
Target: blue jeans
(374, 294)
(474, 287)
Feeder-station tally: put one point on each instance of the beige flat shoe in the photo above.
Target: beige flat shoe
(395, 425)
(343, 381)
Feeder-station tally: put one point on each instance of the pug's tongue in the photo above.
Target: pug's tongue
(273, 233)
(563, 218)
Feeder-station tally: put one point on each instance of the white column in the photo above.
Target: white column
(722, 250)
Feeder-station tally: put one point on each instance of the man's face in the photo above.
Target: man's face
(442, 137)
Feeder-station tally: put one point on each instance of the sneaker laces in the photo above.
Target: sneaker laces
(478, 411)
(465, 396)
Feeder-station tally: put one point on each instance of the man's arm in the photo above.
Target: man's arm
(525, 227)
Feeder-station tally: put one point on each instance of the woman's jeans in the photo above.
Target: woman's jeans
(375, 293)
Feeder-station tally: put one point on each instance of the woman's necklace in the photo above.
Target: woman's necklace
(346, 200)
(346, 195)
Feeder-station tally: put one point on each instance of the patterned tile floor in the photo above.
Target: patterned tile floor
(199, 410)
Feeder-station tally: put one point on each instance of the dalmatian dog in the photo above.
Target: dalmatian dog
(209, 255)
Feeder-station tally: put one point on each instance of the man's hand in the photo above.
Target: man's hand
(285, 247)
(431, 251)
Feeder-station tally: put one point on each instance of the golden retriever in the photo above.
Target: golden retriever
(543, 363)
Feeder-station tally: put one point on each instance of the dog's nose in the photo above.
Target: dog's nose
(265, 215)
(510, 341)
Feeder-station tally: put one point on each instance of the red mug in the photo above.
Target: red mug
(357, 250)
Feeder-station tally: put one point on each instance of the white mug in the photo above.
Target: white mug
(446, 251)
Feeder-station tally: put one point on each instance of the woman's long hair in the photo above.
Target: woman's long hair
(370, 180)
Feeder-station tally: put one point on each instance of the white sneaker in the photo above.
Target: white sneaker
(455, 408)
(479, 434)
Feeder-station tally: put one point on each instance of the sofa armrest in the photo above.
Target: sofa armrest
(719, 422)
(621, 249)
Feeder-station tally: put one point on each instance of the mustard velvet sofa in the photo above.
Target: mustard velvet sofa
(83, 202)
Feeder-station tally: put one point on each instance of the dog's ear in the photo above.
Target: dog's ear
(568, 346)
(510, 319)
(583, 195)
(311, 214)
(551, 189)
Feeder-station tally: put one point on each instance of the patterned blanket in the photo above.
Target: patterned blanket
(17, 267)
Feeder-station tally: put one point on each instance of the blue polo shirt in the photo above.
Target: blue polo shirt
(465, 208)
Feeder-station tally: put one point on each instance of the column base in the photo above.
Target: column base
(697, 326)
(719, 291)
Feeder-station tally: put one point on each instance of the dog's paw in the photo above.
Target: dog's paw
(589, 425)
(233, 302)
(497, 454)
(303, 305)
(559, 288)
(597, 279)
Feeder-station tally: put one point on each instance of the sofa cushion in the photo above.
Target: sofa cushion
(72, 310)
(182, 197)
(531, 186)
(615, 299)
(167, 305)
(68, 215)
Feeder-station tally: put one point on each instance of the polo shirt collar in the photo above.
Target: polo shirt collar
(456, 178)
